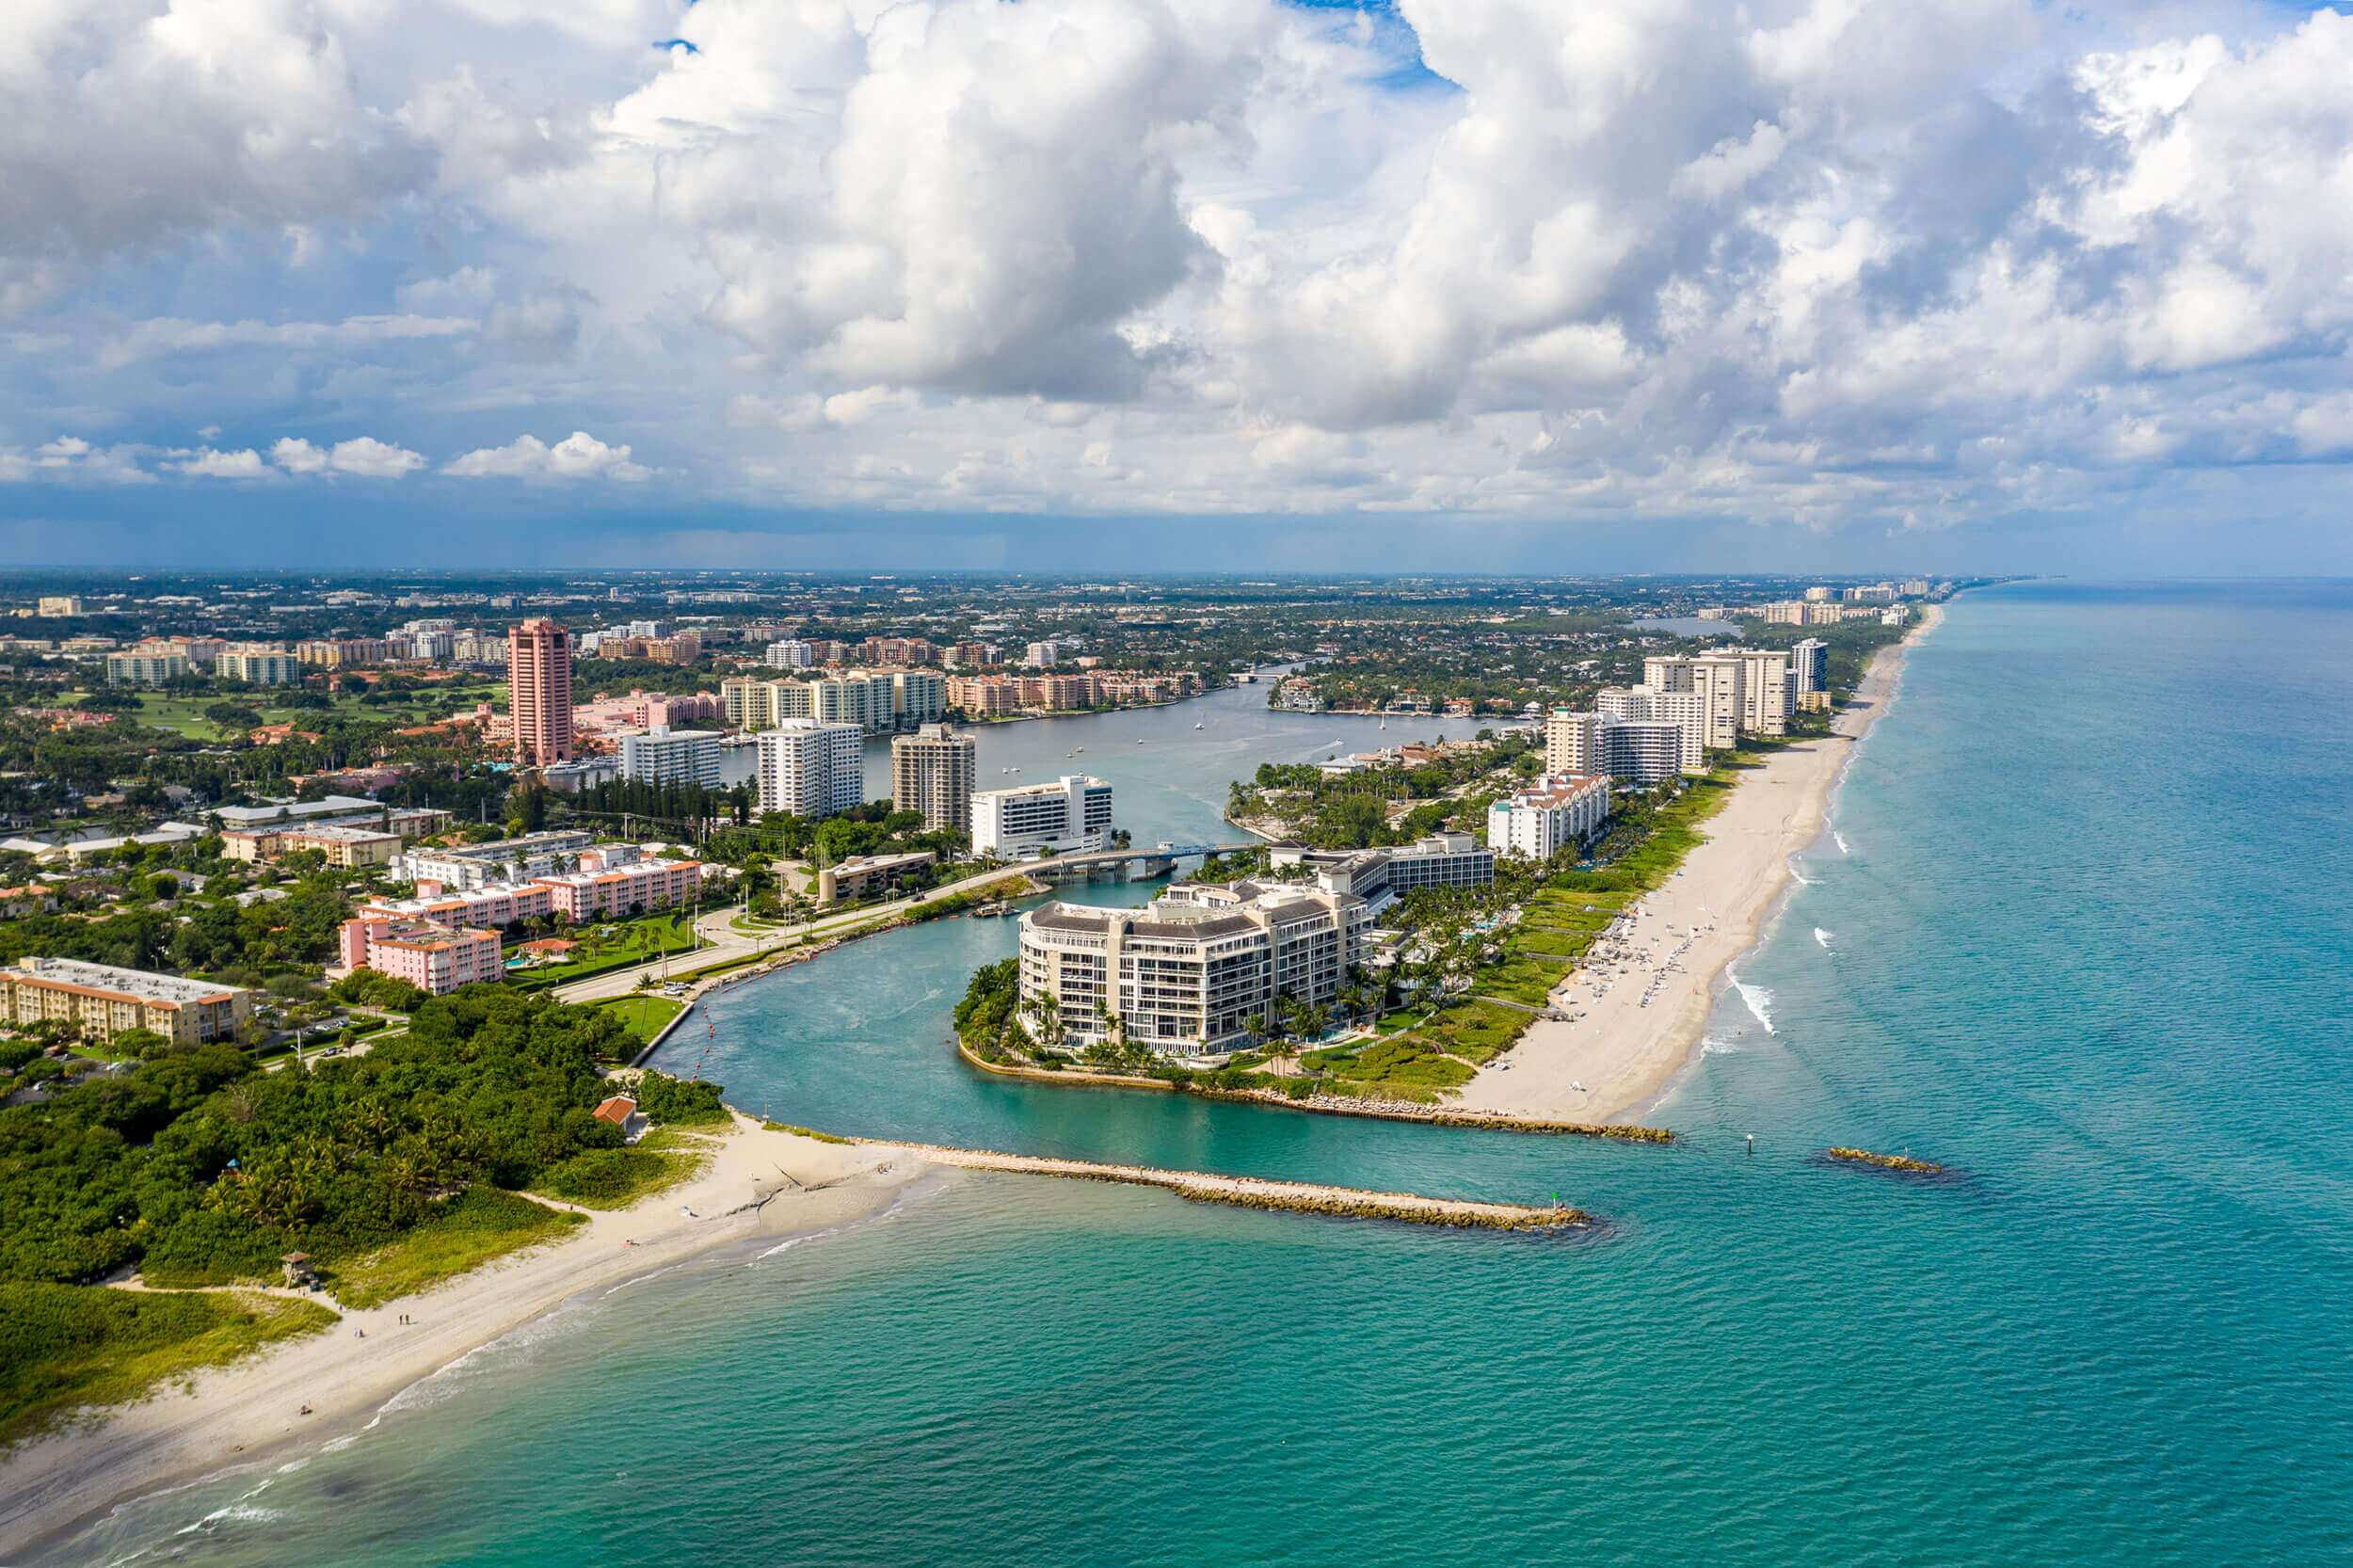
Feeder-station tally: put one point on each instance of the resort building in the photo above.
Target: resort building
(103, 1000)
(667, 756)
(539, 691)
(1378, 875)
(932, 771)
(812, 768)
(1070, 816)
(495, 906)
(1441, 860)
(1810, 661)
(435, 958)
(1539, 822)
(1186, 974)
(864, 875)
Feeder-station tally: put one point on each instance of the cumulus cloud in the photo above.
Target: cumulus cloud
(209, 464)
(1836, 261)
(578, 455)
(364, 455)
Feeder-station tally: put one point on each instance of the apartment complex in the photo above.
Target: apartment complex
(812, 768)
(343, 653)
(261, 663)
(435, 958)
(874, 700)
(344, 847)
(103, 1000)
(1717, 678)
(146, 665)
(931, 771)
(667, 756)
(1809, 661)
(791, 653)
(1558, 813)
(1624, 741)
(989, 696)
(539, 691)
(1186, 974)
(596, 880)
(501, 860)
(1070, 816)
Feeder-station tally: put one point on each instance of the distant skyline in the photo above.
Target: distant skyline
(1488, 286)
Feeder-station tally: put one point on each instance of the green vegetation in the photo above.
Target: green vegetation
(390, 1171)
(1402, 1062)
(644, 1017)
(461, 1233)
(1359, 810)
(614, 1178)
(64, 1347)
(605, 946)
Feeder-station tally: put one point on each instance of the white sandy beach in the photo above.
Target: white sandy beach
(240, 1413)
(1625, 1053)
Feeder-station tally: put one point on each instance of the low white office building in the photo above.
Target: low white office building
(1070, 816)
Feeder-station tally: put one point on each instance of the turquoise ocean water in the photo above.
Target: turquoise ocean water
(2083, 932)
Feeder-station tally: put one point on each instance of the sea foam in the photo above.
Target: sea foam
(1822, 936)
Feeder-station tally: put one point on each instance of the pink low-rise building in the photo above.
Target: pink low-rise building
(434, 958)
(597, 890)
(497, 905)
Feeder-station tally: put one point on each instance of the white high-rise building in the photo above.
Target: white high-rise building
(1765, 689)
(1070, 816)
(812, 768)
(1628, 740)
(1810, 662)
(1043, 655)
(1539, 821)
(791, 654)
(667, 756)
(1716, 679)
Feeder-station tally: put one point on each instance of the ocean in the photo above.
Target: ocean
(2082, 933)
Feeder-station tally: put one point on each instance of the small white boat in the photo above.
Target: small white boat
(1196, 726)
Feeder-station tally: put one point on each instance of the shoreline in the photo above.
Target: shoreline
(1622, 1056)
(246, 1412)
(1321, 1105)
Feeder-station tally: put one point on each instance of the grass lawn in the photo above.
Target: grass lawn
(185, 714)
(63, 1347)
(1405, 1064)
(1519, 979)
(1560, 944)
(646, 1014)
(1473, 1030)
(632, 942)
(480, 1224)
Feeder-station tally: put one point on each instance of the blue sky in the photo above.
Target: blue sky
(1496, 284)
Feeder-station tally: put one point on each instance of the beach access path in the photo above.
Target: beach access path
(756, 1183)
(1624, 1053)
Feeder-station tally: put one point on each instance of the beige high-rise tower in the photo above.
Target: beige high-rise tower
(932, 771)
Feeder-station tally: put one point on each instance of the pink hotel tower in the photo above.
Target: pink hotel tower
(539, 691)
